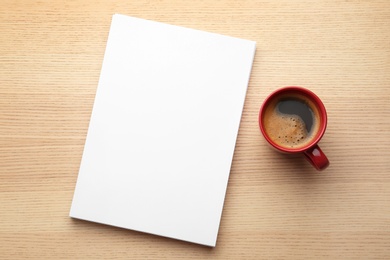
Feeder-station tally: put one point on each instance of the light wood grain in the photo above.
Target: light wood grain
(276, 207)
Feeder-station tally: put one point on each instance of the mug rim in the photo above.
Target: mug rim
(314, 98)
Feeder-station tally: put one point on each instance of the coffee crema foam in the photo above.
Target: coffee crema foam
(290, 130)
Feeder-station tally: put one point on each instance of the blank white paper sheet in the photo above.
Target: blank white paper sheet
(163, 130)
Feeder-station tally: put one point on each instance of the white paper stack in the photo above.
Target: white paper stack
(163, 130)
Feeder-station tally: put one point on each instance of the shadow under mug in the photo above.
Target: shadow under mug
(309, 149)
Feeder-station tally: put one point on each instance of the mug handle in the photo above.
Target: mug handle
(316, 157)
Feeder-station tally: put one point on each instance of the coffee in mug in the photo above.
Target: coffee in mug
(293, 120)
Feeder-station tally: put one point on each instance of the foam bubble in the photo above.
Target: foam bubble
(287, 131)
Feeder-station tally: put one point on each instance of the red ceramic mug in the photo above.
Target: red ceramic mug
(293, 120)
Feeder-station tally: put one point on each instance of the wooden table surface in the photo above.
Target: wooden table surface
(276, 207)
